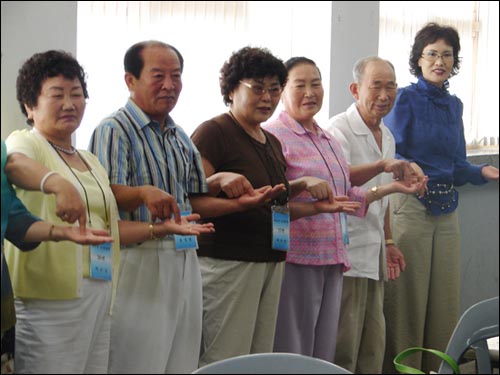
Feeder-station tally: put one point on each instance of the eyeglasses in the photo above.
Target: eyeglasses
(432, 56)
(259, 90)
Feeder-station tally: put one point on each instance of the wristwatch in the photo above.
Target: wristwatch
(374, 190)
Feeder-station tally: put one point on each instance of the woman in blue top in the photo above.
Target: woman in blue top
(421, 307)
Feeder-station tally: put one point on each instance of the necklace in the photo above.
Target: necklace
(70, 151)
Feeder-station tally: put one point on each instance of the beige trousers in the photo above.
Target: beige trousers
(421, 307)
(361, 336)
(240, 306)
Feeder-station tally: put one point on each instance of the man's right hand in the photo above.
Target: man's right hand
(161, 204)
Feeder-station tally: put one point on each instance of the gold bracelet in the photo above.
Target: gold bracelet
(152, 236)
(51, 230)
(389, 241)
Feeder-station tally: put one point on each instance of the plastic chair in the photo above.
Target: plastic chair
(272, 363)
(477, 324)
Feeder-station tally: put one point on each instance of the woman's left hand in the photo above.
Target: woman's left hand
(340, 203)
(88, 236)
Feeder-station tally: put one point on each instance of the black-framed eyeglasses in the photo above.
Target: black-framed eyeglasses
(259, 90)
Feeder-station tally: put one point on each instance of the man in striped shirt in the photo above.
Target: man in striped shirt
(155, 170)
(153, 167)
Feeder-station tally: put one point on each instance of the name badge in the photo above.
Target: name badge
(343, 225)
(185, 242)
(100, 262)
(281, 228)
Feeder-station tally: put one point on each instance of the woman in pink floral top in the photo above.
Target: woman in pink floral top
(312, 286)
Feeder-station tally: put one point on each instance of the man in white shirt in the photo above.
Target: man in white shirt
(369, 148)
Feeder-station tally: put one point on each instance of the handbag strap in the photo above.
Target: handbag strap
(411, 370)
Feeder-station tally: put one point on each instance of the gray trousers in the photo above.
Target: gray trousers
(309, 309)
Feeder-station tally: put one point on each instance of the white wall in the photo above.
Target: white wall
(29, 27)
(354, 35)
(478, 213)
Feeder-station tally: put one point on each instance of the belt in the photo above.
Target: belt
(440, 197)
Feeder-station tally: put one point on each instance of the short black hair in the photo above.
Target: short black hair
(299, 60)
(133, 62)
(41, 66)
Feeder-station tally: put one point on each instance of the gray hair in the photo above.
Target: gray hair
(359, 67)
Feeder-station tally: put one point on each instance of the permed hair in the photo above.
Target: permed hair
(41, 66)
(249, 62)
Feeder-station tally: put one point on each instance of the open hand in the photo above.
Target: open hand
(395, 261)
(88, 236)
(417, 186)
(188, 226)
(340, 203)
(263, 195)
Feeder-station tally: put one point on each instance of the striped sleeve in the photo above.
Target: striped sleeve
(197, 182)
(109, 143)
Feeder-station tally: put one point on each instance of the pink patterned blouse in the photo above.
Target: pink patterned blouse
(316, 240)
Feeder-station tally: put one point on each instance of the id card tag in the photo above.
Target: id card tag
(185, 242)
(343, 224)
(281, 228)
(100, 262)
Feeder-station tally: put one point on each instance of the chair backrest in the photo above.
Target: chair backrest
(477, 324)
(272, 363)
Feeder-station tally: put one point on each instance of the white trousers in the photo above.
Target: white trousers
(156, 321)
(64, 336)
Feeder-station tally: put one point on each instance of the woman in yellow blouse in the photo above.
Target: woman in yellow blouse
(63, 290)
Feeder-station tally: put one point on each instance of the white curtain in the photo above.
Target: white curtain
(205, 32)
(477, 24)
(107, 28)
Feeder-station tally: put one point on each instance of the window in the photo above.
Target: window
(206, 33)
(477, 82)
